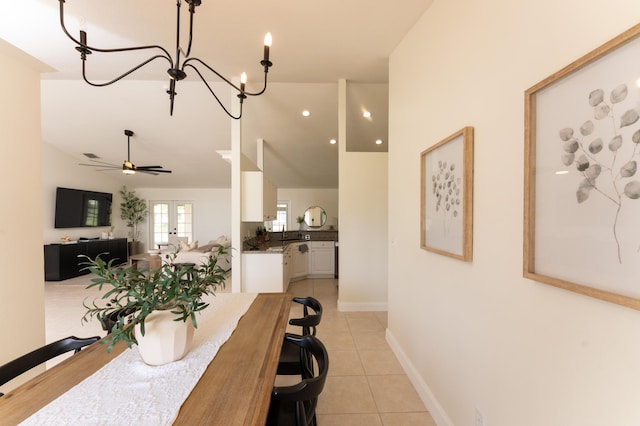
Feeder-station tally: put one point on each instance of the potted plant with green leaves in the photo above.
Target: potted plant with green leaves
(300, 220)
(154, 309)
(133, 210)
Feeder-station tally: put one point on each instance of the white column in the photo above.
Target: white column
(236, 196)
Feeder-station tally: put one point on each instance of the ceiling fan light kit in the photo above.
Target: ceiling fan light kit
(176, 69)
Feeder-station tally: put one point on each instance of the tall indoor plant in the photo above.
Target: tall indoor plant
(133, 209)
(133, 300)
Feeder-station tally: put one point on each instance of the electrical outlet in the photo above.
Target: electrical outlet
(479, 418)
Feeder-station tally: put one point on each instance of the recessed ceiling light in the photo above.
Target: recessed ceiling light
(306, 113)
(379, 142)
(333, 142)
(366, 114)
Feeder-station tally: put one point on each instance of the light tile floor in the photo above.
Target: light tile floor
(366, 385)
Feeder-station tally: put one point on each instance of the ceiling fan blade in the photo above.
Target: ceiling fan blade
(105, 163)
(157, 169)
(107, 166)
(149, 172)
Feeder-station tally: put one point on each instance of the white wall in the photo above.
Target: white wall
(363, 231)
(21, 253)
(301, 199)
(363, 223)
(478, 334)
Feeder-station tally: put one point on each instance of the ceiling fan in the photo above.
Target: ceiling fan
(128, 168)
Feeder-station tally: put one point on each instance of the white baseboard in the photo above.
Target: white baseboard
(431, 403)
(361, 307)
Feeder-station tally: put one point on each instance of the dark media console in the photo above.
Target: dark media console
(61, 261)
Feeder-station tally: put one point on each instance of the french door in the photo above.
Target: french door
(171, 219)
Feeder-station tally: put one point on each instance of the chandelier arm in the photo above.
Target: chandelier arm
(130, 49)
(132, 70)
(186, 63)
(213, 93)
(97, 49)
(263, 89)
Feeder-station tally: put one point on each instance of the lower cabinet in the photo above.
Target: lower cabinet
(299, 260)
(287, 266)
(62, 261)
(263, 272)
(322, 259)
(268, 272)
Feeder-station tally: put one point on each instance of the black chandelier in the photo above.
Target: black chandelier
(176, 71)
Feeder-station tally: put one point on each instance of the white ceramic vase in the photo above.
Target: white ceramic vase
(164, 340)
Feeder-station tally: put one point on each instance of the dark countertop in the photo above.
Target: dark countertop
(276, 244)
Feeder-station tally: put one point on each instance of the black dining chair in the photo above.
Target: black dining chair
(13, 369)
(290, 355)
(296, 404)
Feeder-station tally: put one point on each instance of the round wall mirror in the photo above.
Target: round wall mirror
(315, 217)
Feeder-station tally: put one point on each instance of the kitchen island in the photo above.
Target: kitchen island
(289, 257)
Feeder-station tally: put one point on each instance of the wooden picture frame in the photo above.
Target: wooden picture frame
(582, 191)
(446, 196)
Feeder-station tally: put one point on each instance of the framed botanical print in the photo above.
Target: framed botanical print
(582, 185)
(446, 188)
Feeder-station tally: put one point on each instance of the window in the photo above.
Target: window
(282, 217)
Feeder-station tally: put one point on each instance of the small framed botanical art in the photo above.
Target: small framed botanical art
(446, 202)
(582, 184)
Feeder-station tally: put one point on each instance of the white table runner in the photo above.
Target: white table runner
(128, 391)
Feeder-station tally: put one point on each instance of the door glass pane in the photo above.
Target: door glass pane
(160, 224)
(184, 220)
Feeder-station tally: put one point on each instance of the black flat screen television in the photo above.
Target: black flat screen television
(76, 208)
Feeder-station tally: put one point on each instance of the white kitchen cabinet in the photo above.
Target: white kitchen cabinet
(263, 272)
(259, 197)
(299, 260)
(322, 259)
(287, 264)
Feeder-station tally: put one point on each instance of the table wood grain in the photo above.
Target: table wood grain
(235, 389)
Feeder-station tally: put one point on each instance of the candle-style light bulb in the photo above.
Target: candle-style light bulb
(243, 81)
(267, 44)
(82, 25)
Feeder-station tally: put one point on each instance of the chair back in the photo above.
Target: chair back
(310, 320)
(304, 394)
(13, 369)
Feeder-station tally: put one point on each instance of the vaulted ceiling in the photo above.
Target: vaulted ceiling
(315, 44)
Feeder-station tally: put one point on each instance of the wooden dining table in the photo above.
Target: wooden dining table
(235, 389)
